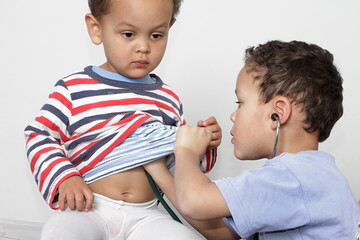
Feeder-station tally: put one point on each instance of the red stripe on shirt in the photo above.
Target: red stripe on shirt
(79, 81)
(124, 121)
(47, 171)
(38, 154)
(49, 124)
(61, 98)
(31, 137)
(123, 136)
(168, 91)
(73, 156)
(130, 101)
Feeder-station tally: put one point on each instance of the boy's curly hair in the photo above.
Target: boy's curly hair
(306, 74)
(99, 8)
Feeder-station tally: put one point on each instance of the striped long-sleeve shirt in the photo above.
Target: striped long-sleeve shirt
(86, 117)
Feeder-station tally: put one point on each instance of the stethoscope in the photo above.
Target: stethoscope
(275, 117)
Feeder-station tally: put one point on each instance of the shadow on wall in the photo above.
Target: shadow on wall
(19, 230)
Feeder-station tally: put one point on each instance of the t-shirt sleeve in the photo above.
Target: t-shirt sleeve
(264, 200)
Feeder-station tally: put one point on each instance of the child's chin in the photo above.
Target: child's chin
(241, 156)
(244, 156)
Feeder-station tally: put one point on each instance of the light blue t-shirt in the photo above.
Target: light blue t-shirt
(293, 196)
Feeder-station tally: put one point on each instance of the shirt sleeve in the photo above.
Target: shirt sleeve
(264, 200)
(44, 144)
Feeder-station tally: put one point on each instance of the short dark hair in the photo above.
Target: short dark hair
(306, 74)
(99, 8)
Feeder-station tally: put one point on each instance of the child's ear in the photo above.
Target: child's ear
(93, 27)
(282, 107)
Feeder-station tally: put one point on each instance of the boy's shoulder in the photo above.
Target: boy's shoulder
(303, 157)
(81, 74)
(306, 164)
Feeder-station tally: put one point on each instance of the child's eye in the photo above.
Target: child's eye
(156, 35)
(238, 103)
(127, 34)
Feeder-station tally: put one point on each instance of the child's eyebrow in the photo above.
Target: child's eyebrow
(127, 24)
(122, 24)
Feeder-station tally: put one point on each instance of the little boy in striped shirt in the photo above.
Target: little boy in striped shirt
(100, 126)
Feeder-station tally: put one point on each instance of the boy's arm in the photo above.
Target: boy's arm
(48, 159)
(211, 229)
(197, 197)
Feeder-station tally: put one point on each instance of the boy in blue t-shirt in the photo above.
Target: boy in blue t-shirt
(291, 93)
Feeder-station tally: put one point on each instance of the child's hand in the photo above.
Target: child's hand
(74, 192)
(193, 140)
(212, 125)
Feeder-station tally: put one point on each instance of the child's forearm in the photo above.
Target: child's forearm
(211, 229)
(197, 196)
(165, 181)
(190, 184)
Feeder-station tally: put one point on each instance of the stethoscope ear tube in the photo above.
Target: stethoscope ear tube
(161, 199)
(277, 135)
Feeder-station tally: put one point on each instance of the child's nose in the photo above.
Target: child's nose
(232, 117)
(143, 47)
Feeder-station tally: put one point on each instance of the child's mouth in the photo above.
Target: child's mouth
(141, 63)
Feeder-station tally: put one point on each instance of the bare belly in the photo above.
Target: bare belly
(130, 186)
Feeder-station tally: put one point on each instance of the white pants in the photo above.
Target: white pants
(111, 219)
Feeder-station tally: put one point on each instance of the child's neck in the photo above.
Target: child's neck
(119, 77)
(297, 142)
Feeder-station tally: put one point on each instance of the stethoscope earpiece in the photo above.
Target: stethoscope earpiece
(274, 116)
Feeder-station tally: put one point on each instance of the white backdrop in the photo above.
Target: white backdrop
(44, 40)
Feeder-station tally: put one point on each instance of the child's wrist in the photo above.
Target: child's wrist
(186, 154)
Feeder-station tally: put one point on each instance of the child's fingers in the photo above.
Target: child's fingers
(210, 124)
(79, 202)
(70, 201)
(214, 128)
(215, 139)
(216, 136)
(193, 138)
(207, 122)
(201, 123)
(89, 201)
(62, 203)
